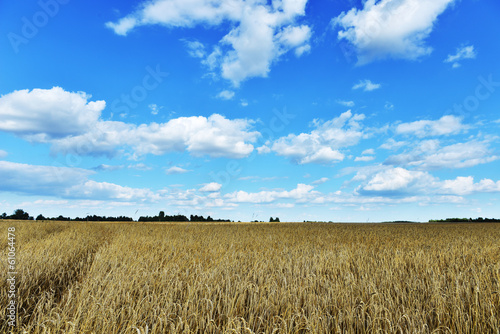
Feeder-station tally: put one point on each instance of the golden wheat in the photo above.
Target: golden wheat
(255, 278)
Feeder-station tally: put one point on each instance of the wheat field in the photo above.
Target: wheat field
(254, 278)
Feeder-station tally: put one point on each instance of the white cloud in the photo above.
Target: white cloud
(44, 114)
(464, 52)
(369, 151)
(465, 186)
(367, 85)
(123, 26)
(446, 125)
(320, 181)
(195, 49)
(365, 158)
(104, 138)
(104, 167)
(323, 155)
(392, 144)
(139, 166)
(34, 180)
(428, 155)
(226, 95)
(260, 32)
(109, 191)
(348, 104)
(263, 149)
(300, 50)
(301, 193)
(390, 28)
(388, 106)
(176, 170)
(215, 136)
(283, 205)
(63, 182)
(211, 187)
(260, 178)
(154, 109)
(398, 180)
(73, 126)
(294, 37)
(3, 154)
(321, 145)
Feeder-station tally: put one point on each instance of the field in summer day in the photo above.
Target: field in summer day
(254, 278)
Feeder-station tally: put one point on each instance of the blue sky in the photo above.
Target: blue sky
(331, 110)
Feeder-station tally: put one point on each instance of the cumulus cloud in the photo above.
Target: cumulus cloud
(322, 144)
(301, 193)
(263, 149)
(446, 125)
(154, 108)
(320, 181)
(463, 52)
(211, 187)
(398, 181)
(348, 104)
(466, 186)
(392, 144)
(390, 28)
(108, 191)
(73, 125)
(365, 158)
(226, 95)
(402, 181)
(260, 32)
(35, 180)
(429, 155)
(3, 154)
(140, 166)
(44, 114)
(63, 182)
(196, 49)
(176, 170)
(110, 168)
(366, 85)
(215, 136)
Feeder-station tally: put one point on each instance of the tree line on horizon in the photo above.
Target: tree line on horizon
(465, 220)
(161, 217)
(20, 214)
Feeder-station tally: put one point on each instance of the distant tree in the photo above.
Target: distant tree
(271, 220)
(19, 214)
(3, 216)
(40, 217)
(161, 216)
(276, 220)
